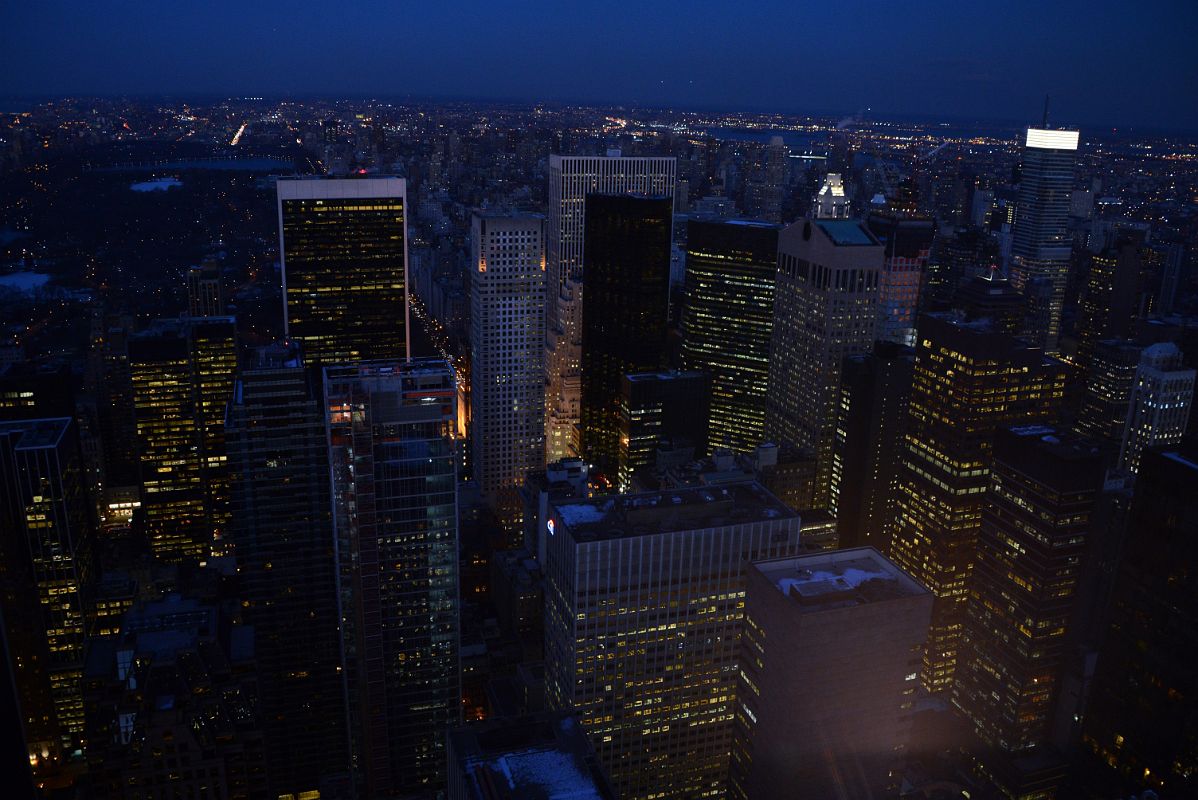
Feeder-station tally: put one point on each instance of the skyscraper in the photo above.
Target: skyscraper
(727, 320)
(1111, 302)
(205, 295)
(1041, 250)
(182, 375)
(46, 574)
(282, 535)
(1021, 596)
(1159, 406)
(1109, 380)
(825, 308)
(827, 675)
(969, 381)
(507, 355)
(624, 311)
(871, 417)
(907, 240)
(644, 602)
(656, 407)
(1143, 714)
(343, 247)
(830, 201)
(390, 430)
(571, 179)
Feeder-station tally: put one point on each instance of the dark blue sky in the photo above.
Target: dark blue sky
(1104, 62)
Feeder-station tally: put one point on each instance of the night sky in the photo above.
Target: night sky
(1104, 62)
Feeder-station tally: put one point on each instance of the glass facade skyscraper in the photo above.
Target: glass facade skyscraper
(624, 313)
(727, 320)
(391, 429)
(343, 246)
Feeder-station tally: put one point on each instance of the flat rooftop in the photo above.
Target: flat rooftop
(847, 232)
(691, 508)
(839, 578)
(34, 434)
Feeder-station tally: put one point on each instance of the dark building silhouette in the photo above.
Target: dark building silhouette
(624, 311)
(907, 239)
(656, 407)
(344, 247)
(727, 319)
(992, 297)
(1114, 295)
(282, 534)
(1110, 376)
(871, 417)
(969, 382)
(205, 294)
(1143, 715)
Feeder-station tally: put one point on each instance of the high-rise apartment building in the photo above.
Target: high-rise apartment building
(625, 309)
(828, 662)
(343, 245)
(46, 577)
(282, 534)
(571, 179)
(727, 319)
(656, 407)
(871, 417)
(182, 375)
(1159, 405)
(825, 308)
(968, 382)
(644, 603)
(1035, 524)
(391, 428)
(1143, 711)
(507, 355)
(1042, 247)
(908, 241)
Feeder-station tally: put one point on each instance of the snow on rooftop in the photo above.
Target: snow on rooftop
(556, 774)
(573, 514)
(849, 578)
(156, 185)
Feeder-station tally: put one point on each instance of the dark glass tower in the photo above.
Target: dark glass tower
(394, 481)
(871, 416)
(46, 574)
(1143, 715)
(727, 320)
(624, 310)
(282, 534)
(969, 381)
(660, 406)
(344, 253)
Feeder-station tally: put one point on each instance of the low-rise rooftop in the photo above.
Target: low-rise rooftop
(838, 578)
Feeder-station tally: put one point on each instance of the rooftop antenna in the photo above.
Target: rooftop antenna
(1045, 124)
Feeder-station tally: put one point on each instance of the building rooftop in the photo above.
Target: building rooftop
(839, 578)
(846, 232)
(690, 508)
(33, 434)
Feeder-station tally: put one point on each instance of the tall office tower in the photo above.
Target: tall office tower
(343, 244)
(1043, 489)
(538, 755)
(173, 702)
(827, 673)
(969, 381)
(727, 319)
(205, 294)
(1111, 302)
(282, 535)
(825, 308)
(1107, 394)
(624, 311)
(1142, 719)
(830, 201)
(908, 241)
(391, 434)
(656, 407)
(46, 575)
(560, 480)
(114, 388)
(992, 297)
(871, 416)
(507, 356)
(1041, 249)
(571, 179)
(643, 608)
(777, 170)
(182, 375)
(1159, 406)
(957, 254)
